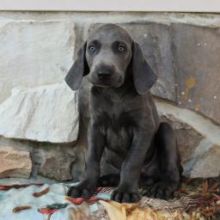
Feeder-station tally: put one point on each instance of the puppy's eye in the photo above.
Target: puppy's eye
(92, 49)
(121, 48)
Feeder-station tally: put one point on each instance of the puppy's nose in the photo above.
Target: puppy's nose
(104, 74)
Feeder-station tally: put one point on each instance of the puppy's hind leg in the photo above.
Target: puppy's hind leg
(170, 168)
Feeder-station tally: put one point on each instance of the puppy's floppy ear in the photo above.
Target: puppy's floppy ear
(143, 75)
(78, 70)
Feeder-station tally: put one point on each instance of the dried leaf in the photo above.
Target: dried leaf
(41, 193)
(21, 208)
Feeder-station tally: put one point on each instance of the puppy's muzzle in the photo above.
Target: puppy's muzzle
(105, 74)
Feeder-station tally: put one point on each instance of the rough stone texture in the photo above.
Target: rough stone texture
(47, 113)
(34, 53)
(198, 155)
(156, 43)
(198, 139)
(59, 162)
(196, 52)
(187, 137)
(14, 163)
(185, 58)
(37, 49)
(207, 164)
(23, 145)
(55, 162)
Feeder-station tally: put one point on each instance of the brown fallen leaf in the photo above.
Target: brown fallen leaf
(21, 208)
(41, 193)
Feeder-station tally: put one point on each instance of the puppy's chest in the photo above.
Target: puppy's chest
(115, 116)
(118, 131)
(116, 123)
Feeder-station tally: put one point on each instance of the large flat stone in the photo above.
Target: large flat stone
(155, 41)
(198, 139)
(197, 52)
(187, 137)
(14, 163)
(34, 53)
(204, 161)
(46, 113)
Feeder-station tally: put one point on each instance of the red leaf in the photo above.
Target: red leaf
(46, 211)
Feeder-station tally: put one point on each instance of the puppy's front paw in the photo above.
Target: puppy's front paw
(162, 190)
(84, 189)
(123, 195)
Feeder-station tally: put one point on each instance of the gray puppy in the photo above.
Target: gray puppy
(127, 144)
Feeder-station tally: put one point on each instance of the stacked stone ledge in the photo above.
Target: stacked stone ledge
(39, 119)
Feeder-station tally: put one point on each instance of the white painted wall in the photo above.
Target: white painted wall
(112, 5)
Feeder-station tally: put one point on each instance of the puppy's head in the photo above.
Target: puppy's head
(106, 57)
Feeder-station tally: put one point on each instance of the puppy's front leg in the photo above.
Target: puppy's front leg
(127, 190)
(95, 149)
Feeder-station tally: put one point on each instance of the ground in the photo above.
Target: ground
(198, 199)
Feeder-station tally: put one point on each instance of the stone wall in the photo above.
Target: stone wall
(39, 124)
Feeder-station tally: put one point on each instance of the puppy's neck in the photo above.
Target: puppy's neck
(126, 89)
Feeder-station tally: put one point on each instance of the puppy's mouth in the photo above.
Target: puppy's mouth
(107, 82)
(103, 83)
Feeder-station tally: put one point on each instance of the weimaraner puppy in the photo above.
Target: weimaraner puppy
(128, 146)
